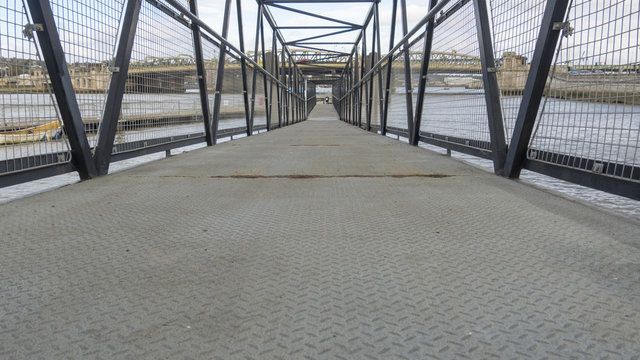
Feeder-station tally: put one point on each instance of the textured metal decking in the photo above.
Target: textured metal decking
(314, 241)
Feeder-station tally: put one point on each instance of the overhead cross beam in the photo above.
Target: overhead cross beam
(319, 36)
(311, 14)
(270, 2)
(339, 53)
(318, 41)
(318, 27)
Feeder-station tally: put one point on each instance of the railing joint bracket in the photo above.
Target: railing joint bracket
(566, 28)
(30, 28)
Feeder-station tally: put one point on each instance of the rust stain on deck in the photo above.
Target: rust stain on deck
(314, 145)
(311, 176)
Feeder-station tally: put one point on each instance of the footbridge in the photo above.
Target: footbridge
(276, 226)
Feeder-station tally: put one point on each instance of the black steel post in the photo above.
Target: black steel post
(358, 91)
(202, 76)
(120, 70)
(371, 79)
(341, 101)
(285, 76)
(277, 74)
(53, 55)
(283, 73)
(383, 130)
(267, 84)
(220, 72)
(387, 92)
(293, 78)
(363, 71)
(298, 104)
(354, 92)
(414, 137)
(347, 83)
(300, 97)
(408, 87)
(300, 94)
(287, 90)
(254, 73)
(346, 99)
(243, 69)
(534, 88)
(290, 88)
(491, 90)
(294, 92)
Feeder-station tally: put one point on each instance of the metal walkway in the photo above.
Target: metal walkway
(314, 241)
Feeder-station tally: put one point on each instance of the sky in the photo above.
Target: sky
(605, 31)
(212, 12)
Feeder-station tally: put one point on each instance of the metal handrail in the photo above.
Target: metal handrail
(195, 19)
(430, 15)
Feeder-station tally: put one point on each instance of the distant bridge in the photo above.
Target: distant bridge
(310, 61)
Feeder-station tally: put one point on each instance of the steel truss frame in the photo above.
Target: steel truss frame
(90, 161)
(286, 88)
(508, 159)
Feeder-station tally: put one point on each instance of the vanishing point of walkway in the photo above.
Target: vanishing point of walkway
(315, 241)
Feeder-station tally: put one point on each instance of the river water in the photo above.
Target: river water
(571, 127)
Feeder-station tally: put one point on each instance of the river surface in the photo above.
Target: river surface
(604, 132)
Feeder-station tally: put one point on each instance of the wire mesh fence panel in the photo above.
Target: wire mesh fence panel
(260, 111)
(375, 100)
(161, 94)
(184, 3)
(211, 56)
(312, 97)
(273, 100)
(88, 33)
(515, 28)
(232, 112)
(354, 96)
(454, 103)
(364, 95)
(288, 110)
(397, 107)
(30, 125)
(590, 117)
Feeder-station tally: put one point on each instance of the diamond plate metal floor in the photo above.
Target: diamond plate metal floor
(314, 241)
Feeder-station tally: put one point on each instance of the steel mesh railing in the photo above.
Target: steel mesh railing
(590, 117)
(515, 28)
(397, 107)
(211, 57)
(259, 103)
(232, 113)
(454, 95)
(88, 31)
(161, 106)
(587, 121)
(586, 128)
(161, 98)
(30, 126)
